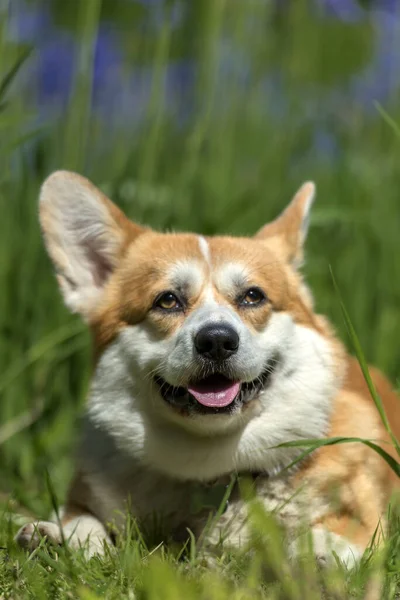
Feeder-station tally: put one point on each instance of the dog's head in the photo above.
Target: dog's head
(213, 332)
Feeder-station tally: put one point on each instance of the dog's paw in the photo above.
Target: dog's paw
(30, 535)
(326, 546)
(80, 533)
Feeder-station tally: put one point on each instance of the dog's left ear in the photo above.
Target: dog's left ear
(288, 232)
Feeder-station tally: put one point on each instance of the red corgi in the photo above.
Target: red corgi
(209, 355)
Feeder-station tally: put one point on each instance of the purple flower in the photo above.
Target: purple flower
(345, 10)
(26, 23)
(382, 76)
(55, 69)
(121, 92)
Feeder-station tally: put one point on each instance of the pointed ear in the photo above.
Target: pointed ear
(85, 235)
(289, 231)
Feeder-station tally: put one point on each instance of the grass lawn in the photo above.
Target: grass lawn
(226, 161)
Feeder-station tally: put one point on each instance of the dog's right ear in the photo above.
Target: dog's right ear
(85, 235)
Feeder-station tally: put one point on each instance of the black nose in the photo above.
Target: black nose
(216, 341)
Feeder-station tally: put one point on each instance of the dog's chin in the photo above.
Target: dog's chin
(216, 394)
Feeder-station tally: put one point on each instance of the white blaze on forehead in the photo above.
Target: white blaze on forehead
(231, 277)
(208, 296)
(205, 249)
(187, 273)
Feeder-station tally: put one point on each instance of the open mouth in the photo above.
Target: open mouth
(214, 394)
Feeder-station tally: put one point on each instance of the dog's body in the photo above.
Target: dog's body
(208, 356)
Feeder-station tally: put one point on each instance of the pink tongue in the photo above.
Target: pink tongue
(215, 391)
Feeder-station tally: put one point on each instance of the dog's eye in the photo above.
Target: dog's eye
(168, 301)
(252, 297)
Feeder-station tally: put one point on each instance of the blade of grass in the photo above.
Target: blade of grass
(364, 367)
(215, 518)
(37, 351)
(388, 119)
(19, 423)
(23, 139)
(54, 503)
(156, 104)
(64, 542)
(312, 445)
(79, 114)
(9, 77)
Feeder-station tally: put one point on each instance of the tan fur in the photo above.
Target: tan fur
(357, 479)
(343, 489)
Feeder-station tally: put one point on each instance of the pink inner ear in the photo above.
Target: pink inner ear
(101, 268)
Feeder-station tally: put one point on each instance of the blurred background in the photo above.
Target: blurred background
(204, 115)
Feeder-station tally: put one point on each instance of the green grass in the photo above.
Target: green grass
(229, 169)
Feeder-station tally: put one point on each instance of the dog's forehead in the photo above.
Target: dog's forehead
(214, 263)
(189, 261)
